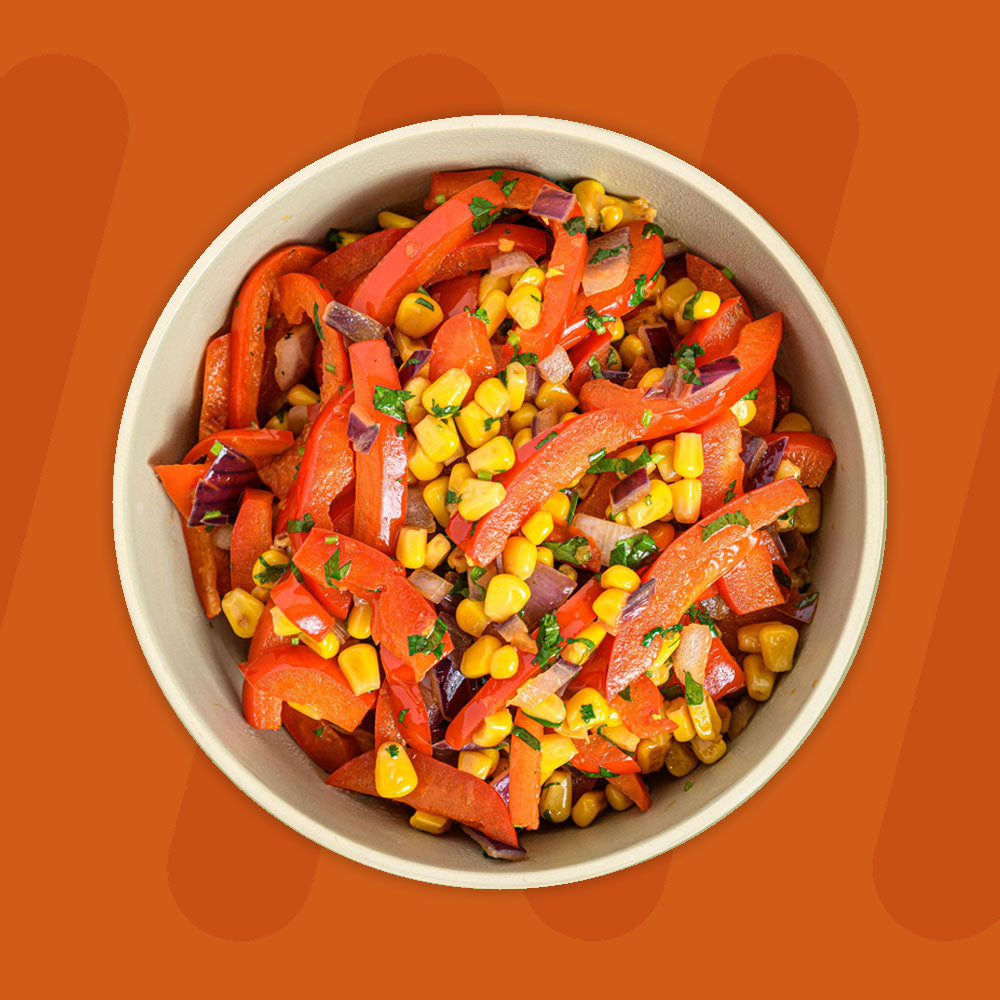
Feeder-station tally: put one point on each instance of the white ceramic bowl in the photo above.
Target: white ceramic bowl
(195, 664)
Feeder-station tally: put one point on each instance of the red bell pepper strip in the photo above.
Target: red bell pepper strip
(251, 536)
(338, 269)
(258, 445)
(421, 250)
(711, 279)
(597, 347)
(456, 295)
(246, 337)
(598, 755)
(442, 790)
(783, 400)
(280, 472)
(180, 481)
(811, 453)
(766, 402)
(690, 564)
(525, 772)
(479, 249)
(264, 637)
(215, 388)
(297, 674)
(718, 335)
(204, 569)
(304, 298)
(301, 608)
(721, 445)
(342, 512)
(750, 585)
(380, 487)
(325, 745)
(386, 727)
(462, 342)
(402, 613)
(634, 787)
(723, 675)
(640, 707)
(326, 470)
(407, 704)
(446, 184)
(644, 265)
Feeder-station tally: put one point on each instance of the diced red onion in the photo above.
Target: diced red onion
(298, 417)
(637, 601)
(612, 270)
(548, 682)
(414, 363)
(553, 203)
(510, 262)
(632, 488)
(352, 324)
(673, 248)
(557, 367)
(532, 383)
(691, 655)
(452, 686)
(502, 787)
(544, 420)
(795, 550)
(218, 493)
(494, 848)
(670, 386)
(477, 587)
(614, 376)
(514, 632)
(754, 449)
(361, 430)
(604, 534)
(293, 355)
(549, 590)
(656, 339)
(418, 514)
(459, 637)
(715, 370)
(435, 588)
(768, 464)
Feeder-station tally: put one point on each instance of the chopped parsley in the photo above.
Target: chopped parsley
(595, 366)
(306, 524)
(319, 732)
(652, 229)
(332, 569)
(632, 552)
(475, 572)
(647, 416)
(481, 314)
(392, 750)
(575, 226)
(587, 713)
(638, 295)
(525, 737)
(595, 321)
(440, 199)
(549, 640)
(781, 576)
(426, 303)
(332, 369)
(685, 357)
(688, 312)
(334, 238)
(808, 599)
(525, 358)
(574, 499)
(450, 497)
(545, 440)
(723, 521)
(603, 253)
(483, 213)
(626, 693)
(270, 574)
(694, 693)
(569, 551)
(688, 786)
(595, 456)
(660, 631)
(444, 411)
(402, 716)
(730, 492)
(727, 274)
(431, 643)
(752, 394)
(217, 447)
(316, 321)
(623, 466)
(211, 515)
(390, 402)
(508, 187)
(604, 772)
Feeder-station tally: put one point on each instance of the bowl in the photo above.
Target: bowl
(196, 663)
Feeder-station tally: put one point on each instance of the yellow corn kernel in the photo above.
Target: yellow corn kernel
(359, 664)
(342, 238)
(547, 557)
(523, 416)
(327, 647)
(582, 645)
(702, 305)
(808, 515)
(589, 195)
(417, 315)
(519, 557)
(494, 304)
(488, 282)
(759, 680)
(414, 406)
(457, 560)
(658, 287)
(517, 383)
(556, 751)
(407, 346)
(481, 763)
(538, 527)
(622, 737)
(310, 710)
(411, 547)
(506, 595)
(656, 504)
(673, 295)
(617, 799)
(663, 452)
(787, 469)
(493, 397)
(616, 328)
(494, 729)
(470, 617)
(556, 800)
(525, 305)
(748, 636)
(530, 276)
(447, 391)
(359, 621)
(476, 659)
(611, 216)
(522, 437)
(437, 437)
(621, 577)
(393, 220)
(394, 773)
(279, 422)
(504, 663)
(301, 395)
(677, 712)
(777, 647)
(686, 494)
(709, 751)
(476, 425)
(420, 464)
(794, 422)
(550, 394)
(282, 625)
(651, 753)
(689, 458)
(478, 497)
(435, 496)
(651, 377)
(588, 807)
(632, 350)
(681, 760)
(705, 719)
(460, 473)
(744, 410)
(261, 593)
(558, 506)
(429, 822)
(243, 611)
(550, 711)
(494, 457)
(587, 709)
(265, 568)
(684, 325)
(438, 548)
(567, 570)
(608, 606)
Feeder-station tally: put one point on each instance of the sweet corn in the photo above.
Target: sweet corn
(393, 220)
(689, 458)
(621, 577)
(418, 314)
(702, 305)
(530, 276)
(327, 647)
(301, 395)
(494, 457)
(429, 822)
(617, 799)
(504, 663)
(414, 406)
(787, 469)
(538, 527)
(476, 425)
(310, 710)
(420, 464)
(517, 382)
(582, 645)
(394, 773)
(657, 503)
(519, 557)
(556, 751)
(632, 350)
(506, 595)
(651, 377)
(651, 753)
(261, 593)
(748, 636)
(476, 659)
(663, 452)
(283, 625)
(587, 709)
(708, 751)
(622, 737)
(494, 304)
(481, 763)
(556, 800)
(524, 303)
(705, 718)
(677, 712)
(608, 606)
(523, 416)
(266, 568)
(588, 807)
(359, 620)
(550, 394)
(242, 611)
(794, 422)
(446, 392)
(658, 287)
(493, 397)
(808, 515)
(673, 295)
(279, 422)
(435, 495)
(407, 346)
(617, 330)
(684, 325)
(681, 760)
(686, 495)
(589, 194)
(457, 560)
(470, 616)
(411, 547)
(547, 557)
(359, 664)
(437, 550)
(777, 647)
(437, 437)
(567, 570)
(522, 437)
(558, 506)
(759, 680)
(744, 410)
(550, 711)
(494, 729)
(611, 216)
(460, 473)
(490, 281)
(478, 497)
(342, 238)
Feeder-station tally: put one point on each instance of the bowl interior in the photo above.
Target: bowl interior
(195, 661)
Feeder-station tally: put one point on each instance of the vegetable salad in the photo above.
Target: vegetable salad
(509, 503)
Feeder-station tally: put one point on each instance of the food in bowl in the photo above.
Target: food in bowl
(508, 501)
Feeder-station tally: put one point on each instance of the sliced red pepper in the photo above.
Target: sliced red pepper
(447, 183)
(490, 698)
(251, 536)
(258, 445)
(597, 347)
(204, 568)
(338, 269)
(783, 400)
(690, 564)
(380, 487)
(462, 342)
(766, 401)
(215, 388)
(297, 674)
(811, 453)
(246, 337)
(723, 674)
(750, 585)
(721, 445)
(718, 335)
(180, 481)
(342, 512)
(479, 249)
(407, 704)
(634, 787)
(264, 637)
(640, 708)
(421, 250)
(442, 790)
(598, 755)
(709, 278)
(304, 298)
(326, 746)
(279, 473)
(525, 772)
(644, 264)
(301, 608)
(456, 295)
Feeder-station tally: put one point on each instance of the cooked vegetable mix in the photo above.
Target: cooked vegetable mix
(508, 501)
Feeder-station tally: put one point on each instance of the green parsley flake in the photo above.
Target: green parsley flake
(392, 750)
(316, 321)
(483, 213)
(332, 569)
(595, 366)
(431, 643)
(688, 312)
(730, 492)
(569, 551)
(575, 226)
(390, 402)
(426, 303)
(722, 521)
(694, 693)
(603, 253)
(525, 737)
(638, 295)
(632, 552)
(545, 440)
(685, 357)
(652, 229)
(549, 640)
(306, 524)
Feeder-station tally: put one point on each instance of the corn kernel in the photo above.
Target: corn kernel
(588, 807)
(787, 469)
(437, 437)
(617, 799)
(420, 464)
(546, 557)
(530, 276)
(651, 753)
(657, 503)
(621, 736)
(414, 406)
(494, 304)
(282, 624)
(481, 763)
(359, 664)
(493, 397)
(490, 281)
(794, 422)
(504, 663)
(587, 709)
(418, 314)
(558, 506)
(556, 800)
(310, 710)
(393, 220)
(808, 515)
(632, 349)
(744, 410)
(447, 392)
(470, 617)
(579, 648)
(651, 377)
(681, 760)
(435, 496)
(411, 547)
(621, 577)
(394, 773)
(517, 384)
(457, 560)
(538, 527)
(556, 751)
(494, 457)
(759, 680)
(438, 548)
(677, 712)
(242, 611)
(589, 195)
(689, 458)
(522, 437)
(702, 305)
(777, 647)
(550, 711)
(407, 346)
(519, 557)
(300, 395)
(550, 394)
(279, 422)
(611, 216)
(608, 606)
(327, 647)
(673, 295)
(525, 306)
(359, 620)
(478, 497)
(429, 822)
(523, 416)
(476, 659)
(705, 718)
(342, 238)
(748, 636)
(493, 729)
(616, 328)
(506, 595)
(708, 751)
(265, 568)
(567, 570)
(686, 494)
(476, 425)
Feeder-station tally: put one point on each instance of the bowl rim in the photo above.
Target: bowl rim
(811, 711)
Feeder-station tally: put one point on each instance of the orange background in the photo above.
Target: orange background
(132, 136)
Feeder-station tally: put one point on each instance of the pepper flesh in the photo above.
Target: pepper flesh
(251, 536)
(258, 445)
(338, 269)
(479, 249)
(525, 773)
(461, 342)
(215, 388)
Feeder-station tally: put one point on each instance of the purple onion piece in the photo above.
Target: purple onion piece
(556, 367)
(433, 587)
(768, 464)
(633, 487)
(656, 337)
(218, 493)
(673, 248)
(351, 324)
(613, 376)
(752, 452)
(453, 686)
(637, 601)
(549, 590)
(429, 691)
(608, 258)
(670, 386)
(582, 783)
(361, 431)
(544, 420)
(716, 370)
(495, 849)
(532, 383)
(418, 514)
(414, 363)
(502, 787)
(478, 580)
(511, 631)
(553, 203)
(460, 638)
(802, 614)
(510, 262)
